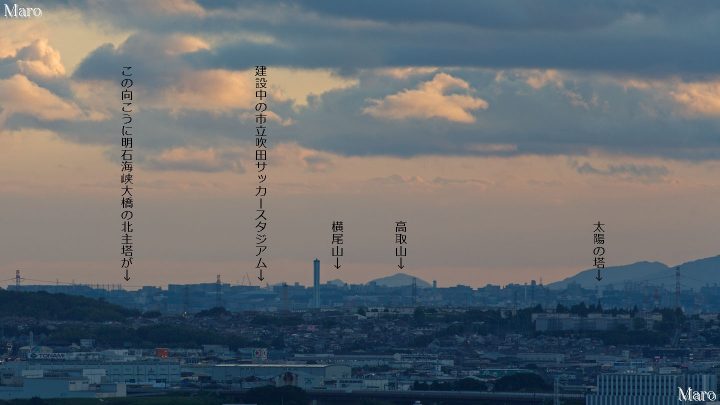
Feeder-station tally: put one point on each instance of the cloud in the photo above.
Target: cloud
(299, 158)
(170, 82)
(626, 171)
(37, 59)
(695, 99)
(396, 179)
(158, 56)
(698, 98)
(611, 36)
(208, 160)
(482, 184)
(18, 95)
(430, 100)
(430, 85)
(317, 163)
(402, 73)
(130, 14)
(538, 79)
(33, 84)
(506, 14)
(420, 181)
(491, 148)
(210, 90)
(165, 80)
(171, 7)
(271, 117)
(300, 86)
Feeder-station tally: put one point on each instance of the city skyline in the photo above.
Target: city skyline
(499, 159)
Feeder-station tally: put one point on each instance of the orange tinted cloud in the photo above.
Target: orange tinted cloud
(699, 98)
(21, 96)
(430, 100)
(39, 59)
(210, 90)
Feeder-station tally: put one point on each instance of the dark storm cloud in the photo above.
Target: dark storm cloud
(143, 51)
(507, 14)
(657, 54)
(651, 38)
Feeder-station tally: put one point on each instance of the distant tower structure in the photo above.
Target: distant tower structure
(218, 292)
(17, 278)
(316, 283)
(434, 284)
(414, 291)
(676, 338)
(533, 284)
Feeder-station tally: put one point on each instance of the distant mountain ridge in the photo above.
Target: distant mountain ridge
(693, 274)
(399, 280)
(60, 307)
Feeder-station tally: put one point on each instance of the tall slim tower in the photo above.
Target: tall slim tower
(316, 283)
(218, 292)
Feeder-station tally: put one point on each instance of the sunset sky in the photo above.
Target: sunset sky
(500, 131)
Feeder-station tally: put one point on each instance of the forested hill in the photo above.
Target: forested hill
(43, 305)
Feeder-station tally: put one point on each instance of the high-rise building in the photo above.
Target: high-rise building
(316, 283)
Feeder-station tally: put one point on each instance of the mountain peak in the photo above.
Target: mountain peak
(693, 274)
(399, 280)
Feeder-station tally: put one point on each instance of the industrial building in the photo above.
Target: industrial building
(156, 373)
(75, 382)
(648, 388)
(306, 376)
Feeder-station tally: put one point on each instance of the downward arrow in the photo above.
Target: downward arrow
(337, 263)
(127, 275)
(598, 277)
(401, 265)
(260, 277)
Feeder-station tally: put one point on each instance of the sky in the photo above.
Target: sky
(500, 131)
